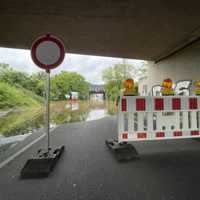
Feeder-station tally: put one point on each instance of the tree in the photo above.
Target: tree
(14, 77)
(38, 83)
(115, 75)
(35, 82)
(66, 82)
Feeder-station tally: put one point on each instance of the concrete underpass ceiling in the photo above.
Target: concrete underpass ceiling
(139, 29)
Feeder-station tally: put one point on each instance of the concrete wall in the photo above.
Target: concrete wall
(182, 65)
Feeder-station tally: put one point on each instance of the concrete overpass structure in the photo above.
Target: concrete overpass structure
(150, 30)
(97, 89)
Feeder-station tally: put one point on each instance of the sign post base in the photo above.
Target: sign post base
(122, 151)
(41, 165)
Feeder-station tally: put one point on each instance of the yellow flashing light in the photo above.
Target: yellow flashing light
(197, 90)
(167, 87)
(129, 87)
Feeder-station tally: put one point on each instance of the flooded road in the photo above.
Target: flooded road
(96, 114)
(16, 125)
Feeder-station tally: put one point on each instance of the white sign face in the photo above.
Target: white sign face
(48, 52)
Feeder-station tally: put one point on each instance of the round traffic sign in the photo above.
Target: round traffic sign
(47, 51)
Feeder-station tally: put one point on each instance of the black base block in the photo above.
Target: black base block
(122, 151)
(42, 165)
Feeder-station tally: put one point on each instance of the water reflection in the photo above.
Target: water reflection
(96, 114)
(25, 121)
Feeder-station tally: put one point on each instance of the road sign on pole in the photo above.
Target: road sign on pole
(47, 52)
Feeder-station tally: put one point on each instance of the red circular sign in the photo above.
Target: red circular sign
(47, 51)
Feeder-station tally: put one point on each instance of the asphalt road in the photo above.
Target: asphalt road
(166, 170)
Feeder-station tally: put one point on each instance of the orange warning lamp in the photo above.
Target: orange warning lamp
(129, 87)
(129, 84)
(197, 90)
(167, 87)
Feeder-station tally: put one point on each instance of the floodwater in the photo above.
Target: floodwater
(17, 125)
(96, 114)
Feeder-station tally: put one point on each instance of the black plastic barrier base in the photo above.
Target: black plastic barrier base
(122, 151)
(42, 165)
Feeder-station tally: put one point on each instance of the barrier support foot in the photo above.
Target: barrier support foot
(123, 151)
(42, 164)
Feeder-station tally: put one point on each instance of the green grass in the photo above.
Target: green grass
(11, 96)
(27, 106)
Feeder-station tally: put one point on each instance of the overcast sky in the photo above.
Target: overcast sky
(90, 67)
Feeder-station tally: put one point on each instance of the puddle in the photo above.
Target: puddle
(96, 114)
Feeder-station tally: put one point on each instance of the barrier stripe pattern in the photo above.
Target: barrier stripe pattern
(159, 135)
(138, 104)
(157, 118)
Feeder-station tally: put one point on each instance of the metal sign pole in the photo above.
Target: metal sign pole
(48, 109)
(47, 52)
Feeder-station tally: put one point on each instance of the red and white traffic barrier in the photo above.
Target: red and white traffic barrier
(156, 118)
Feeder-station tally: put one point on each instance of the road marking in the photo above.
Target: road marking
(5, 162)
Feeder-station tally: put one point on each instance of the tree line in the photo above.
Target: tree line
(66, 82)
(61, 84)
